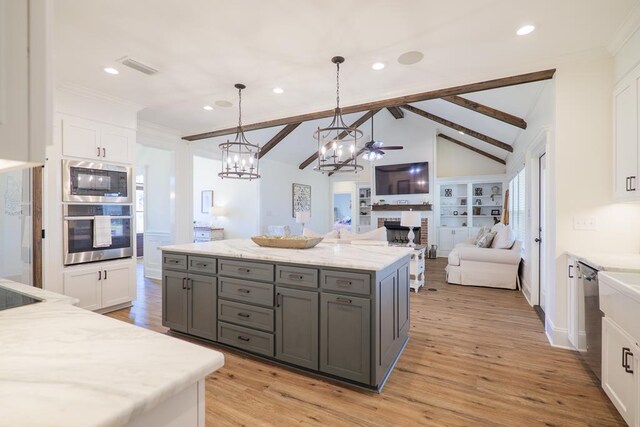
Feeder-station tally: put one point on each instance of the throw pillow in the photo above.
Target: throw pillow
(497, 227)
(481, 232)
(505, 238)
(485, 241)
(379, 234)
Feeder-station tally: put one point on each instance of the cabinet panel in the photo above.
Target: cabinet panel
(619, 384)
(626, 139)
(403, 300)
(116, 285)
(342, 281)
(245, 338)
(84, 285)
(117, 144)
(297, 276)
(246, 291)
(246, 270)
(202, 306)
(246, 315)
(175, 301)
(80, 138)
(200, 264)
(297, 327)
(387, 315)
(345, 337)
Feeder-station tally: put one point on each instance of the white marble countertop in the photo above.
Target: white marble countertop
(64, 366)
(609, 262)
(357, 257)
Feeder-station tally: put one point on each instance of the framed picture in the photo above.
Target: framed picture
(402, 202)
(206, 201)
(300, 199)
(495, 211)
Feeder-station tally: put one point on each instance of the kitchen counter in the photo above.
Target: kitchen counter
(62, 365)
(357, 257)
(609, 262)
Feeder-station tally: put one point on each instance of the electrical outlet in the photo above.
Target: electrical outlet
(585, 223)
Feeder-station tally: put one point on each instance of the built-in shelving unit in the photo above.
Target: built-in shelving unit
(364, 208)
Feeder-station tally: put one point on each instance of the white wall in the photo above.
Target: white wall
(15, 226)
(454, 160)
(276, 196)
(627, 57)
(240, 198)
(159, 166)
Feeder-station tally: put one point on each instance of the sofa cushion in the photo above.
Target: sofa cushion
(497, 227)
(485, 241)
(504, 239)
(307, 232)
(454, 257)
(379, 234)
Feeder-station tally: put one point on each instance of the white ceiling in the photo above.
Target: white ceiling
(203, 47)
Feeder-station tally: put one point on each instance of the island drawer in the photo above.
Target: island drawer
(297, 276)
(341, 281)
(246, 291)
(246, 315)
(201, 264)
(246, 270)
(245, 338)
(174, 261)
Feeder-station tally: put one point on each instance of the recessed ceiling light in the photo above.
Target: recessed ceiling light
(460, 132)
(526, 29)
(208, 107)
(223, 104)
(111, 70)
(410, 58)
(278, 90)
(378, 66)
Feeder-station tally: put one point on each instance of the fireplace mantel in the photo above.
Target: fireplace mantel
(396, 208)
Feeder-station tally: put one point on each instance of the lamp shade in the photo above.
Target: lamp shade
(303, 217)
(217, 211)
(410, 219)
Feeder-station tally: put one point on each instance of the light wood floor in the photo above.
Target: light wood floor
(476, 356)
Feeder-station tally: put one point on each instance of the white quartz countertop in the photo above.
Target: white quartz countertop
(609, 262)
(64, 366)
(627, 283)
(357, 257)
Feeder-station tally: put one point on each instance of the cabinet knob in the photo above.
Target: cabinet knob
(243, 338)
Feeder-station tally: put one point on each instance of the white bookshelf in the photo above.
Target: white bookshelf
(364, 208)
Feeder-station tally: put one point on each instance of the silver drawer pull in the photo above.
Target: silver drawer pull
(343, 282)
(245, 315)
(244, 291)
(174, 261)
(244, 270)
(201, 264)
(243, 338)
(296, 277)
(343, 300)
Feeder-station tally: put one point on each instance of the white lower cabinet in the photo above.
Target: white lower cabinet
(576, 325)
(620, 376)
(449, 237)
(102, 285)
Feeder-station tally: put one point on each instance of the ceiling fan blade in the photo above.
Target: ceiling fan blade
(393, 147)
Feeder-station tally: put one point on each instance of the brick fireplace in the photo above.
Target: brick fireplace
(422, 237)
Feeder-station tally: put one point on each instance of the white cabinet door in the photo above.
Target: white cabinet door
(618, 382)
(84, 285)
(14, 80)
(81, 138)
(625, 136)
(460, 235)
(446, 239)
(117, 144)
(117, 284)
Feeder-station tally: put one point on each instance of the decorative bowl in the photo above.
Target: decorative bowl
(286, 242)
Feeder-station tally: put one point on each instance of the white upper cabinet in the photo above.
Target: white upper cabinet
(25, 98)
(92, 140)
(626, 139)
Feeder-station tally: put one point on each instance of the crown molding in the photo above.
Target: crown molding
(625, 31)
(94, 94)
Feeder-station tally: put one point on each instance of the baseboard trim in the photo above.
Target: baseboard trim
(558, 337)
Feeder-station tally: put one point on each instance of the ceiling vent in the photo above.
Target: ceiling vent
(138, 66)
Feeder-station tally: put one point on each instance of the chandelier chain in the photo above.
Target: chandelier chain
(338, 85)
(240, 108)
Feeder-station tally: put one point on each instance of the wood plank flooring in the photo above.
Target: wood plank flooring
(475, 357)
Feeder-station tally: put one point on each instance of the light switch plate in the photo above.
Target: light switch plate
(585, 223)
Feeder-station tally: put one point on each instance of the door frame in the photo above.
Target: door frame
(538, 148)
(352, 203)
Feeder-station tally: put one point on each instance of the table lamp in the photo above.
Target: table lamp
(215, 212)
(410, 219)
(302, 217)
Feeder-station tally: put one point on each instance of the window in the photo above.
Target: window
(517, 205)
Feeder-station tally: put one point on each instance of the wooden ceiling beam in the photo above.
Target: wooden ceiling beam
(277, 139)
(391, 102)
(396, 112)
(342, 135)
(474, 149)
(459, 128)
(487, 111)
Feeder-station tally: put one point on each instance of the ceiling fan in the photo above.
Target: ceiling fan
(374, 150)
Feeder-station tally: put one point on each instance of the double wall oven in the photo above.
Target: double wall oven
(96, 192)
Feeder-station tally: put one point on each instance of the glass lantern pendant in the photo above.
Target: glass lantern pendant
(239, 157)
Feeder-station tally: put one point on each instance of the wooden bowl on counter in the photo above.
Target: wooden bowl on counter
(286, 242)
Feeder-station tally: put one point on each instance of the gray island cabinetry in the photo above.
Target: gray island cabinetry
(336, 312)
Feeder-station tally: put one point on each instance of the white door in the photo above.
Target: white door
(626, 140)
(84, 284)
(81, 138)
(14, 83)
(460, 235)
(446, 239)
(542, 226)
(343, 210)
(117, 144)
(116, 284)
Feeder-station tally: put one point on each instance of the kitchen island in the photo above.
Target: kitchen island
(61, 365)
(336, 310)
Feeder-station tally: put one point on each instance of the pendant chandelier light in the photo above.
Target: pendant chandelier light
(239, 157)
(337, 143)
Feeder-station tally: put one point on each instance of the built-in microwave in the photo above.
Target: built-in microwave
(79, 233)
(92, 182)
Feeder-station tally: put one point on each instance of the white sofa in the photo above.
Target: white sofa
(493, 268)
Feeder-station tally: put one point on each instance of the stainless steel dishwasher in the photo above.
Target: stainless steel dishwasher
(588, 280)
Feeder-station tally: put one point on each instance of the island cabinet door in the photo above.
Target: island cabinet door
(403, 300)
(387, 331)
(297, 327)
(175, 301)
(345, 337)
(203, 306)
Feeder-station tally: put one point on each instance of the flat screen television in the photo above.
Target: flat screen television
(406, 178)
